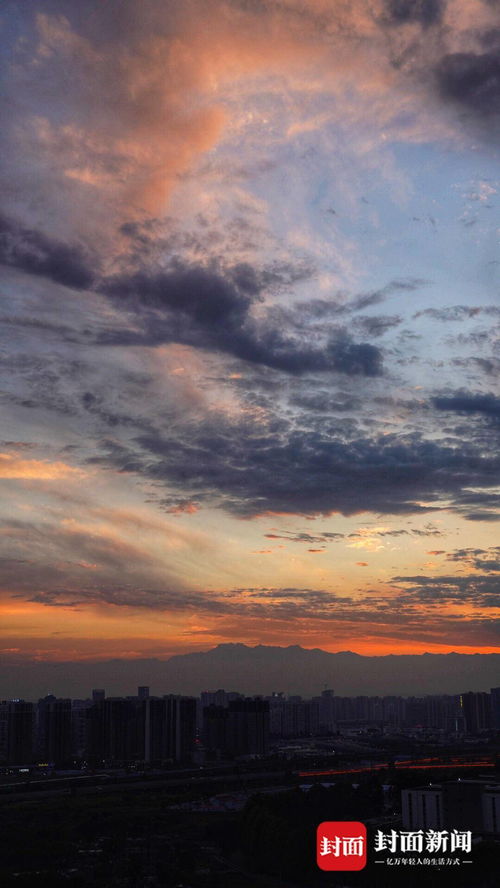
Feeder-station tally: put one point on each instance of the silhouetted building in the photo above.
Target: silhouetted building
(394, 711)
(416, 713)
(80, 727)
(476, 709)
(170, 728)
(491, 809)
(17, 727)
(143, 692)
(459, 804)
(422, 807)
(54, 740)
(289, 719)
(98, 694)
(495, 708)
(214, 698)
(248, 727)
(116, 730)
(215, 730)
(327, 711)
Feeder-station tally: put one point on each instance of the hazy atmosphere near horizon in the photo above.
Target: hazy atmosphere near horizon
(250, 352)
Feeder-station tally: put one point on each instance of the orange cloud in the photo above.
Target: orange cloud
(185, 507)
(136, 113)
(12, 466)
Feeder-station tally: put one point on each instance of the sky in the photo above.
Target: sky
(250, 354)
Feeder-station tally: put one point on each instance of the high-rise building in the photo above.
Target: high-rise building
(54, 730)
(476, 709)
(116, 730)
(495, 708)
(215, 730)
(248, 726)
(422, 807)
(214, 698)
(17, 727)
(79, 727)
(98, 694)
(170, 728)
(143, 692)
(456, 804)
(289, 719)
(491, 809)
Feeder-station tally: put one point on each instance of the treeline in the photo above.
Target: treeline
(278, 831)
(278, 838)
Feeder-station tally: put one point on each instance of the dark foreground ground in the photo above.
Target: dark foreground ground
(156, 839)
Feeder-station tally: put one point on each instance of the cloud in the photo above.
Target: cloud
(424, 12)
(487, 560)
(347, 304)
(467, 403)
(192, 305)
(478, 590)
(112, 111)
(471, 80)
(458, 312)
(183, 507)
(33, 252)
(378, 325)
(292, 537)
(411, 614)
(211, 309)
(14, 466)
(274, 466)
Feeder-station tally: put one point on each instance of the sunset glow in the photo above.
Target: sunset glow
(250, 258)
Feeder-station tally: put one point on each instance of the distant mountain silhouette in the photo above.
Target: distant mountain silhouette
(258, 670)
(295, 670)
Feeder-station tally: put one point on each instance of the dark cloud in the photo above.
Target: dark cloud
(425, 12)
(293, 537)
(472, 81)
(95, 404)
(456, 312)
(478, 590)
(478, 505)
(209, 309)
(378, 325)
(429, 531)
(305, 537)
(277, 466)
(194, 305)
(375, 297)
(490, 366)
(487, 560)
(346, 304)
(204, 296)
(482, 516)
(134, 597)
(33, 252)
(467, 403)
(62, 331)
(325, 402)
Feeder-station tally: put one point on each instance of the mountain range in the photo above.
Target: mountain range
(258, 670)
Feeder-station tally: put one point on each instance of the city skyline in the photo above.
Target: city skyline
(221, 724)
(250, 294)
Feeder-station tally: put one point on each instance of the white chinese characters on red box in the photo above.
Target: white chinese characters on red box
(341, 845)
